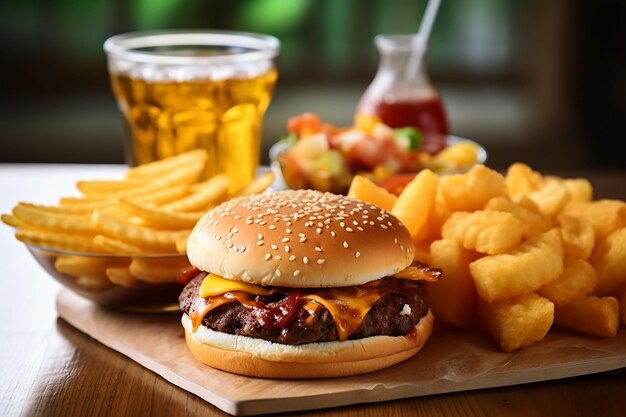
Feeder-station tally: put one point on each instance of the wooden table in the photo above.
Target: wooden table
(49, 368)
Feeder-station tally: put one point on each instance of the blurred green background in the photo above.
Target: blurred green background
(538, 81)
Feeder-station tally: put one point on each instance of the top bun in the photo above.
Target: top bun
(303, 238)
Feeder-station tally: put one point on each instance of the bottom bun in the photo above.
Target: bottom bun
(261, 358)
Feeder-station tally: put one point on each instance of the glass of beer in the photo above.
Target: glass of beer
(180, 91)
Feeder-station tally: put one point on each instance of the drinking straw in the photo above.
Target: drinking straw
(420, 39)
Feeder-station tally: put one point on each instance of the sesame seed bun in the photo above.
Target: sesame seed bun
(260, 358)
(300, 238)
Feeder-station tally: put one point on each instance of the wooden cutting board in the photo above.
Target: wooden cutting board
(449, 362)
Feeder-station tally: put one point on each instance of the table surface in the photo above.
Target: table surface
(49, 368)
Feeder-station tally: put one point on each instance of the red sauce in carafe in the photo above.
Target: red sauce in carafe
(426, 114)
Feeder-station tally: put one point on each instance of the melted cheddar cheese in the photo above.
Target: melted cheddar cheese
(347, 305)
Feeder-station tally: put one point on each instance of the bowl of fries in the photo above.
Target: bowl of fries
(122, 243)
(132, 283)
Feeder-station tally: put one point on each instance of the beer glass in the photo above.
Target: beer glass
(184, 90)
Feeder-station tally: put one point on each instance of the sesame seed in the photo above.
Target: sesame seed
(318, 249)
(259, 243)
(277, 257)
(354, 222)
(332, 233)
(296, 272)
(359, 228)
(235, 230)
(319, 231)
(320, 261)
(357, 254)
(278, 272)
(217, 237)
(349, 229)
(342, 224)
(268, 256)
(395, 240)
(345, 244)
(302, 239)
(305, 260)
(260, 236)
(242, 248)
(301, 235)
(249, 221)
(287, 249)
(274, 247)
(229, 244)
(285, 240)
(288, 231)
(292, 258)
(384, 226)
(236, 249)
(371, 223)
(271, 227)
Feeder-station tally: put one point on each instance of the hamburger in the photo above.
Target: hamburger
(303, 284)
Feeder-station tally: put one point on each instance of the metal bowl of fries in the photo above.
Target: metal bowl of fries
(131, 283)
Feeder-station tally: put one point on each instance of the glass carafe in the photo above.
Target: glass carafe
(401, 94)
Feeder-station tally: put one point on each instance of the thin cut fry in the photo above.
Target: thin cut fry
(114, 226)
(160, 218)
(60, 241)
(158, 271)
(121, 276)
(164, 196)
(209, 193)
(120, 247)
(108, 186)
(76, 223)
(257, 186)
(158, 168)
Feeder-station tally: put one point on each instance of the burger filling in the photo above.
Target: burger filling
(388, 306)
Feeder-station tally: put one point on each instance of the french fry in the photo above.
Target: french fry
(93, 283)
(452, 298)
(181, 245)
(257, 186)
(163, 166)
(485, 231)
(609, 260)
(121, 276)
(551, 198)
(119, 247)
(365, 190)
(518, 321)
(578, 235)
(590, 315)
(119, 228)
(526, 268)
(580, 189)
(622, 304)
(59, 241)
(208, 193)
(158, 271)
(416, 200)
(164, 196)
(82, 266)
(161, 218)
(101, 187)
(605, 215)
(533, 222)
(472, 190)
(72, 209)
(522, 180)
(75, 223)
(577, 280)
(431, 231)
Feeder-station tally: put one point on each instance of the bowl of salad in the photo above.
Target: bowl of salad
(324, 157)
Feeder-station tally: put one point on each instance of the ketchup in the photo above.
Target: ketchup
(426, 114)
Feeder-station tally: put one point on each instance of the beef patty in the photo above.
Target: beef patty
(394, 314)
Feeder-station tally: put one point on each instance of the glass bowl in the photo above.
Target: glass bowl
(129, 283)
(320, 180)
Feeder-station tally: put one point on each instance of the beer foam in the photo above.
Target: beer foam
(182, 73)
